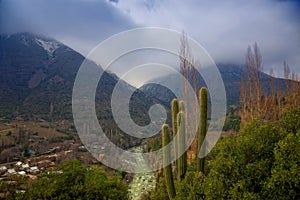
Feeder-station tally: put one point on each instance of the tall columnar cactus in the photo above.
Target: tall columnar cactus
(175, 110)
(203, 100)
(167, 162)
(181, 106)
(182, 161)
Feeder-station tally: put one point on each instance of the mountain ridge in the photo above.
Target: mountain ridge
(33, 77)
(231, 76)
(36, 82)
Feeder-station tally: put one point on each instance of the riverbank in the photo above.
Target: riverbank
(142, 182)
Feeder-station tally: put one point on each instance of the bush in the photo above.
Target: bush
(284, 182)
(291, 120)
(261, 162)
(77, 182)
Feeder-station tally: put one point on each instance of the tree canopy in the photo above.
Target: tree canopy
(73, 180)
(261, 162)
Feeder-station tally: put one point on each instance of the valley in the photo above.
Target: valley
(38, 137)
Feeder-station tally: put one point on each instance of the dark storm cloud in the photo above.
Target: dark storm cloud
(224, 28)
(79, 23)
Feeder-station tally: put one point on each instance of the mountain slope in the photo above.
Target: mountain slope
(231, 75)
(37, 76)
(26, 63)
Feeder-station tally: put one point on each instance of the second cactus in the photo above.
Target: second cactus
(167, 161)
(203, 100)
(182, 161)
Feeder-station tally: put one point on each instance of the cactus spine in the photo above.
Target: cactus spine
(167, 161)
(182, 161)
(203, 100)
(175, 110)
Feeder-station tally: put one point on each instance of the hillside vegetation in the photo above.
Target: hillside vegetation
(71, 180)
(261, 162)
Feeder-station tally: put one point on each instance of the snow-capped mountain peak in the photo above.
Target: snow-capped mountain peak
(49, 46)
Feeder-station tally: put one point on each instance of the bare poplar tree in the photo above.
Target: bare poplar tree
(287, 71)
(189, 76)
(256, 103)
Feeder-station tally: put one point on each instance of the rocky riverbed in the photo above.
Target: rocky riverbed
(142, 182)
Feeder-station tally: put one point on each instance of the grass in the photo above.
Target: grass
(41, 129)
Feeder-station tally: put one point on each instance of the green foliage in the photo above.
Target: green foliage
(160, 192)
(232, 122)
(77, 182)
(190, 188)
(167, 162)
(243, 163)
(291, 120)
(10, 188)
(261, 162)
(284, 182)
(26, 150)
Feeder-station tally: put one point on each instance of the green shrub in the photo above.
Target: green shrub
(261, 162)
(77, 182)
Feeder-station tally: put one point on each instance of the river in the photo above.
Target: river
(142, 182)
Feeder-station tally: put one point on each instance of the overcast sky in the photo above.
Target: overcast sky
(224, 28)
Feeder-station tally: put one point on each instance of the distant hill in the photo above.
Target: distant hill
(231, 75)
(37, 76)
